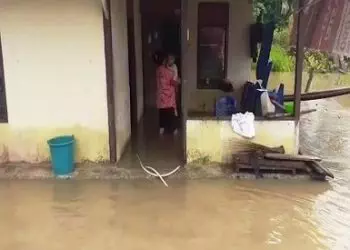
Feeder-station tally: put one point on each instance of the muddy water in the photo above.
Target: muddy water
(188, 215)
(264, 214)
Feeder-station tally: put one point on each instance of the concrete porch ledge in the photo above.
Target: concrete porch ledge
(92, 171)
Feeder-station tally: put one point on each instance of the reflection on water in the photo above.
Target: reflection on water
(320, 82)
(221, 214)
(327, 133)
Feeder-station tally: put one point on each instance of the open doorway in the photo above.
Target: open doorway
(161, 31)
(132, 66)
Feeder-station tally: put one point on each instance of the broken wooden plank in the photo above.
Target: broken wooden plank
(287, 157)
(315, 166)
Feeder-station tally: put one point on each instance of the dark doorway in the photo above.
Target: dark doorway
(171, 43)
(161, 31)
(160, 26)
(132, 76)
(132, 68)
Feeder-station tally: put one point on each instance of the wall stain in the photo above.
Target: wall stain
(30, 144)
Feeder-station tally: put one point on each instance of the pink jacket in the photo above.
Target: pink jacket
(166, 88)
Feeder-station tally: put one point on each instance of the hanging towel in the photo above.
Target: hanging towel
(243, 124)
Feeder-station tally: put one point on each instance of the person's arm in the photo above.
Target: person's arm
(176, 79)
(175, 82)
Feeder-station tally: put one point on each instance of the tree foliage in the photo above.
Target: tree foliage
(318, 62)
(279, 11)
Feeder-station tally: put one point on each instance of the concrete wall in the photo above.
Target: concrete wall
(215, 141)
(121, 73)
(238, 63)
(55, 77)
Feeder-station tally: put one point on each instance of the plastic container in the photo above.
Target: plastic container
(62, 154)
(289, 107)
(225, 106)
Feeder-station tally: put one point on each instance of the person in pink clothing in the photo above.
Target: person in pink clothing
(166, 96)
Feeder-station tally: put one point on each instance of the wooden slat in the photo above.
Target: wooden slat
(262, 168)
(287, 157)
(265, 167)
(245, 159)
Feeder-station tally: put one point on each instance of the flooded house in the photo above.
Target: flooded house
(84, 67)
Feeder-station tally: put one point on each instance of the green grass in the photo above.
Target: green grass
(282, 62)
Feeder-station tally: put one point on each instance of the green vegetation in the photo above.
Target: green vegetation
(282, 61)
(316, 62)
(279, 11)
(282, 56)
(282, 38)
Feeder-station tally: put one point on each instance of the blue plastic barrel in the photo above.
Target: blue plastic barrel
(225, 106)
(62, 154)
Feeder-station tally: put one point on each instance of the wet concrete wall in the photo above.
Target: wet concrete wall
(55, 78)
(215, 141)
(121, 73)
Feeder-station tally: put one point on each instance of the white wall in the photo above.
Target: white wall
(54, 62)
(55, 77)
(121, 73)
(238, 54)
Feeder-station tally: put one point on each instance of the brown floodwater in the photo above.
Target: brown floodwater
(207, 214)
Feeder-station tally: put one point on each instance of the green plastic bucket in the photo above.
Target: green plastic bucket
(289, 107)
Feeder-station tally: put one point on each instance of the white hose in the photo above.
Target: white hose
(151, 171)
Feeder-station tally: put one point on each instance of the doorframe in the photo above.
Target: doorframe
(3, 116)
(185, 32)
(108, 47)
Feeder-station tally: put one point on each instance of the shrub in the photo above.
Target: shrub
(282, 61)
(281, 38)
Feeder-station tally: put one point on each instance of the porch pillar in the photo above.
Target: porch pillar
(107, 28)
(299, 61)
